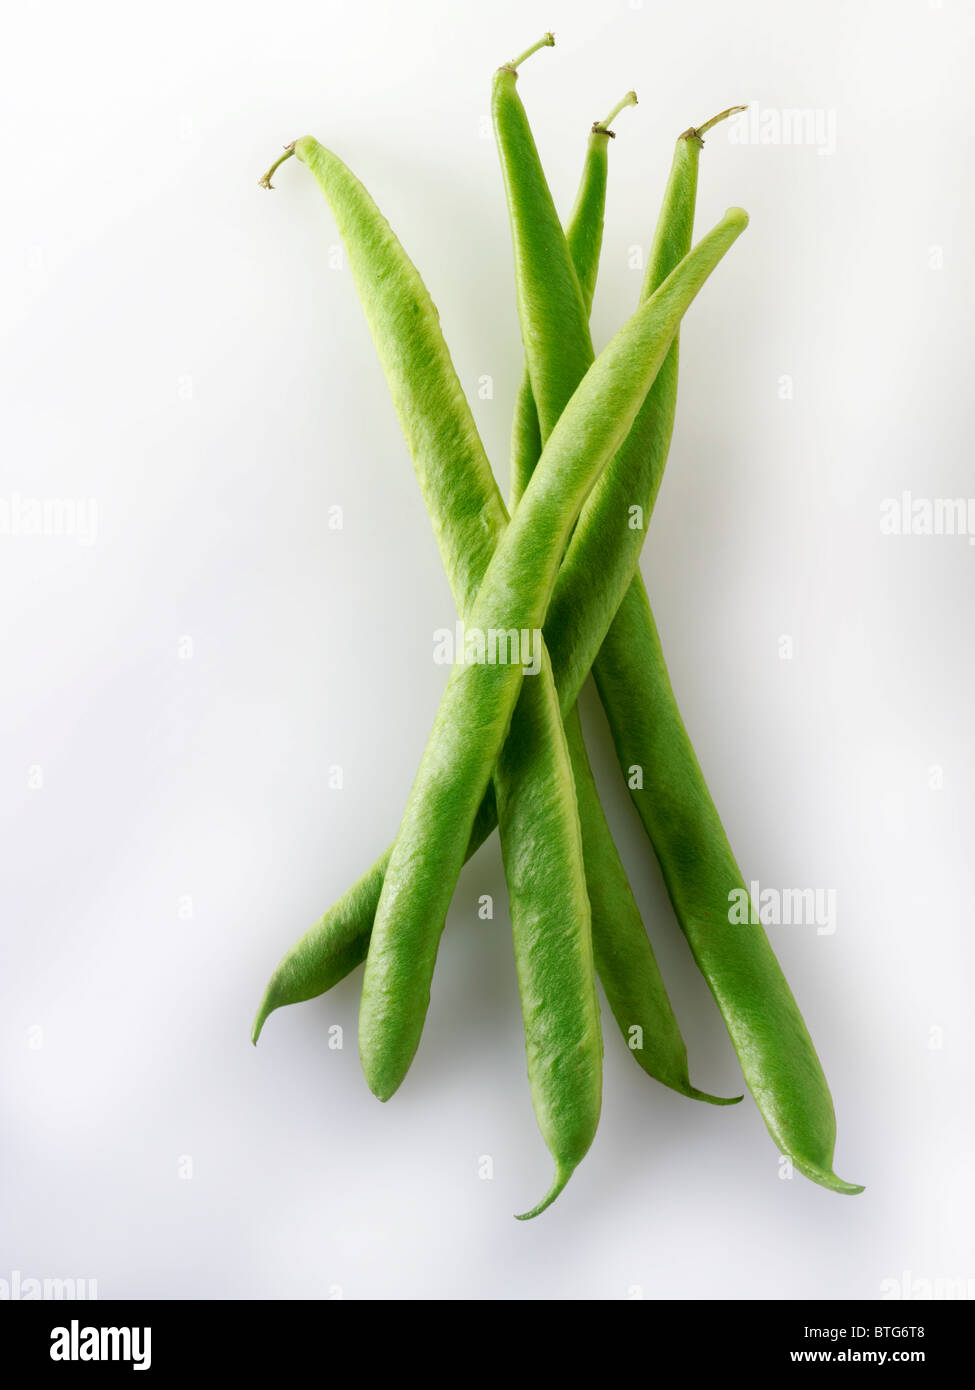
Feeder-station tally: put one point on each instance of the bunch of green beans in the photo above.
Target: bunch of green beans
(589, 442)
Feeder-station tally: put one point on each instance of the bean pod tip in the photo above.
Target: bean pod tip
(562, 1176)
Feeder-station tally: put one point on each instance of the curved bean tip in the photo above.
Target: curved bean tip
(825, 1177)
(264, 1011)
(379, 1083)
(562, 1176)
(708, 1099)
(260, 1019)
(846, 1189)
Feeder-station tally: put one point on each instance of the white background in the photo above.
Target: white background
(177, 349)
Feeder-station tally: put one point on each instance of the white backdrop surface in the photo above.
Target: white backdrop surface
(184, 665)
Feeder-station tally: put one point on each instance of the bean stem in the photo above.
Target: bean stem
(265, 180)
(602, 127)
(698, 132)
(546, 41)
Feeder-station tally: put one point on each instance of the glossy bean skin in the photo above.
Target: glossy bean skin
(584, 235)
(602, 560)
(477, 705)
(776, 1053)
(535, 228)
(457, 485)
(623, 954)
(624, 958)
(773, 1045)
(544, 866)
(542, 844)
(545, 775)
(535, 790)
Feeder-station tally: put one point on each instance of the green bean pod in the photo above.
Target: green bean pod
(624, 958)
(457, 484)
(542, 849)
(450, 463)
(339, 940)
(774, 1048)
(444, 444)
(584, 234)
(536, 226)
(546, 846)
(623, 953)
(479, 700)
(776, 1053)
(603, 556)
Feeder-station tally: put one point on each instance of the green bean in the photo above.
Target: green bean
(535, 226)
(603, 555)
(774, 1048)
(535, 791)
(546, 845)
(450, 463)
(624, 958)
(623, 953)
(338, 941)
(543, 855)
(542, 850)
(768, 1032)
(444, 443)
(584, 234)
(477, 705)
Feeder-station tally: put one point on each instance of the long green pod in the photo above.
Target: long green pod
(477, 705)
(603, 556)
(773, 1045)
(584, 234)
(624, 956)
(537, 792)
(584, 229)
(338, 941)
(776, 1053)
(542, 848)
(535, 229)
(446, 449)
(544, 843)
